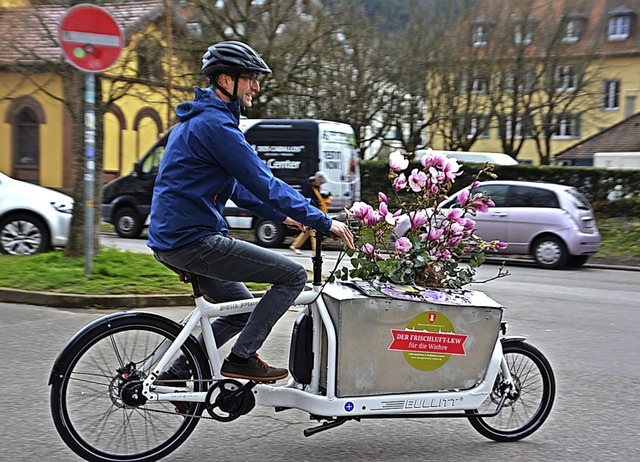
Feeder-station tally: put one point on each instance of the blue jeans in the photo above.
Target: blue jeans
(221, 264)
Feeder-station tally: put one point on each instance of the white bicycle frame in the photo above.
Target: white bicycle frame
(312, 398)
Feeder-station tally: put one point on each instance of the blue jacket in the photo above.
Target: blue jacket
(208, 161)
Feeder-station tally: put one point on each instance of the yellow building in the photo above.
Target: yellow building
(39, 90)
(535, 77)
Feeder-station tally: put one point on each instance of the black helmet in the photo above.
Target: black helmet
(232, 57)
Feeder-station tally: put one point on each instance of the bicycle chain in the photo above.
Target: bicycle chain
(182, 414)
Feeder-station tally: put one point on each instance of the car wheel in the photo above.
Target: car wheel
(127, 222)
(550, 252)
(269, 233)
(23, 234)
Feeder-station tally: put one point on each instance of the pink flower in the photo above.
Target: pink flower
(455, 215)
(397, 161)
(359, 209)
(372, 218)
(403, 245)
(480, 204)
(435, 234)
(463, 197)
(417, 180)
(382, 197)
(370, 252)
(384, 213)
(368, 249)
(418, 219)
(400, 182)
(432, 158)
(450, 169)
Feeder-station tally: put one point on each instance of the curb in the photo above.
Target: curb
(91, 301)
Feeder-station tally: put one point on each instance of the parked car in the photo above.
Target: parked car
(553, 223)
(33, 219)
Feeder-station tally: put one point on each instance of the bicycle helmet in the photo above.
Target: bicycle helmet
(232, 56)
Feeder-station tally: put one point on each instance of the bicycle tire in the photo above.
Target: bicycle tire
(89, 403)
(520, 417)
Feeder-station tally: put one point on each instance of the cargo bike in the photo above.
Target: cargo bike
(358, 351)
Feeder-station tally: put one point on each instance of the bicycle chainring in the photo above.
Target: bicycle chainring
(227, 400)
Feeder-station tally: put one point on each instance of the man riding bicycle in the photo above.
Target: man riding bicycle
(207, 161)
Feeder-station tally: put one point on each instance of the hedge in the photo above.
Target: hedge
(599, 185)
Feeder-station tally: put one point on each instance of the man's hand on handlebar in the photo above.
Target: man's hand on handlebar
(343, 231)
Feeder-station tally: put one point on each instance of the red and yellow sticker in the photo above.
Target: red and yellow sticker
(428, 341)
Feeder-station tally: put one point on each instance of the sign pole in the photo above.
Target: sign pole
(89, 168)
(91, 40)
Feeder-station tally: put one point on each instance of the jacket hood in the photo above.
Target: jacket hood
(204, 98)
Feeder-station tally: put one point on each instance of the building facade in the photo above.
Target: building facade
(534, 77)
(39, 91)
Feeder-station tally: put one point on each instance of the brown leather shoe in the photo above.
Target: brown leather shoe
(255, 369)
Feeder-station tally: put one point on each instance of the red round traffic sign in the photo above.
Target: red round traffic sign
(90, 38)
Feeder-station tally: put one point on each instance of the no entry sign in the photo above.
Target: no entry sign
(90, 38)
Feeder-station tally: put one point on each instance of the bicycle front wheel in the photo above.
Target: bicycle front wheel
(96, 400)
(524, 413)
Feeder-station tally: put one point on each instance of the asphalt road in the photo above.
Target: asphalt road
(585, 321)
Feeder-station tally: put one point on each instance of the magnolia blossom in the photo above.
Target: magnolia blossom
(388, 216)
(382, 197)
(372, 218)
(463, 197)
(419, 219)
(397, 161)
(417, 180)
(480, 204)
(441, 168)
(359, 209)
(403, 245)
(370, 252)
(455, 215)
(400, 182)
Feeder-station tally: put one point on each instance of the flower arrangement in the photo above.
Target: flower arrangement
(428, 254)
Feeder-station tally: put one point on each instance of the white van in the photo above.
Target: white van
(294, 149)
(495, 158)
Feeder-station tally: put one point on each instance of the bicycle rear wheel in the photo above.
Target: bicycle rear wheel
(96, 400)
(525, 413)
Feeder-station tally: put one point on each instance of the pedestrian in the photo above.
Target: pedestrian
(207, 161)
(311, 190)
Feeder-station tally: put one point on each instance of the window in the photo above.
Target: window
(524, 196)
(479, 35)
(149, 53)
(619, 27)
(497, 193)
(472, 126)
(523, 35)
(151, 163)
(27, 138)
(512, 129)
(476, 83)
(611, 94)
(566, 126)
(478, 126)
(520, 79)
(571, 31)
(566, 78)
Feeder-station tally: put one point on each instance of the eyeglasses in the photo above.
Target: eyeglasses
(253, 79)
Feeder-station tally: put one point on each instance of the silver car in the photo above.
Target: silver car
(32, 218)
(553, 223)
